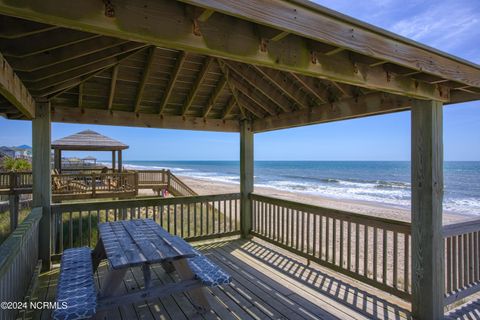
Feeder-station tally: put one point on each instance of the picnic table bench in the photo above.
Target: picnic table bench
(126, 244)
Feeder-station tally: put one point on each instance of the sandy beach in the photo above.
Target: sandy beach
(205, 187)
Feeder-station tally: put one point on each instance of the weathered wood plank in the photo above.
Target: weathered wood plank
(12, 88)
(370, 104)
(246, 177)
(123, 118)
(169, 26)
(42, 186)
(427, 194)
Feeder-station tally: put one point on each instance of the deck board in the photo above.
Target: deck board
(268, 283)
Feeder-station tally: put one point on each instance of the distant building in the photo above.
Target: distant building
(7, 152)
(23, 151)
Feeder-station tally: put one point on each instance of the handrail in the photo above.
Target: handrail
(370, 249)
(193, 218)
(18, 260)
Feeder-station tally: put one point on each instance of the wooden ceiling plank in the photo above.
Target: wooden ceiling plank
(61, 55)
(250, 105)
(113, 85)
(98, 65)
(57, 90)
(170, 26)
(268, 89)
(171, 82)
(309, 85)
(222, 83)
(26, 47)
(12, 89)
(280, 36)
(286, 86)
(74, 64)
(130, 119)
(196, 86)
(254, 95)
(349, 108)
(230, 105)
(226, 73)
(146, 73)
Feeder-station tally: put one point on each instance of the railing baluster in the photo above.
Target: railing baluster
(375, 255)
(455, 262)
(357, 247)
(384, 257)
(342, 260)
(395, 259)
(349, 245)
(334, 241)
(365, 251)
(406, 260)
(327, 239)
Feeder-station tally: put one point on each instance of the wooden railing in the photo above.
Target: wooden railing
(193, 218)
(371, 249)
(19, 181)
(18, 261)
(177, 187)
(462, 265)
(82, 186)
(149, 178)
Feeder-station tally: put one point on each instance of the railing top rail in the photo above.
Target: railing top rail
(334, 213)
(94, 174)
(10, 247)
(463, 227)
(147, 202)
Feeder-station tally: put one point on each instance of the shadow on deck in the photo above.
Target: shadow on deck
(268, 283)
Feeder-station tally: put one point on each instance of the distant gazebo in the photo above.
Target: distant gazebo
(88, 140)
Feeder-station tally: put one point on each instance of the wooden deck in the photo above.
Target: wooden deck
(268, 283)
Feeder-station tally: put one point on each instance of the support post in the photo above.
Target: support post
(41, 137)
(119, 160)
(57, 157)
(113, 161)
(14, 201)
(427, 196)
(246, 176)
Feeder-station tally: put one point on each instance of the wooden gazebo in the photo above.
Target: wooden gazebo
(244, 66)
(88, 140)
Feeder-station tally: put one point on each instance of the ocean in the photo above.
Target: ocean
(384, 182)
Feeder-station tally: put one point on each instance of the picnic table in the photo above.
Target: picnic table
(126, 244)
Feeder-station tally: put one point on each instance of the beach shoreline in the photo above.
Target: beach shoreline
(208, 186)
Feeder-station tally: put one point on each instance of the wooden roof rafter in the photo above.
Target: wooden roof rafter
(198, 82)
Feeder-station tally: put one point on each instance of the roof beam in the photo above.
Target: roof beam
(169, 25)
(65, 83)
(367, 105)
(65, 86)
(254, 95)
(130, 119)
(286, 86)
(198, 82)
(313, 88)
(63, 54)
(248, 104)
(12, 88)
(80, 95)
(214, 96)
(146, 73)
(77, 63)
(113, 85)
(171, 82)
(270, 91)
(318, 23)
(228, 109)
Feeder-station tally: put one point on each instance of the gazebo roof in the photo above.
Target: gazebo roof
(88, 140)
(205, 65)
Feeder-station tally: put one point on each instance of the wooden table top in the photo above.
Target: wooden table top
(130, 243)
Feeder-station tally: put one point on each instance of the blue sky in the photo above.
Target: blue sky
(449, 25)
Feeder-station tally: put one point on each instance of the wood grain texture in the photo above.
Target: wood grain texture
(12, 88)
(318, 23)
(169, 26)
(246, 177)
(42, 186)
(124, 118)
(428, 274)
(371, 104)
